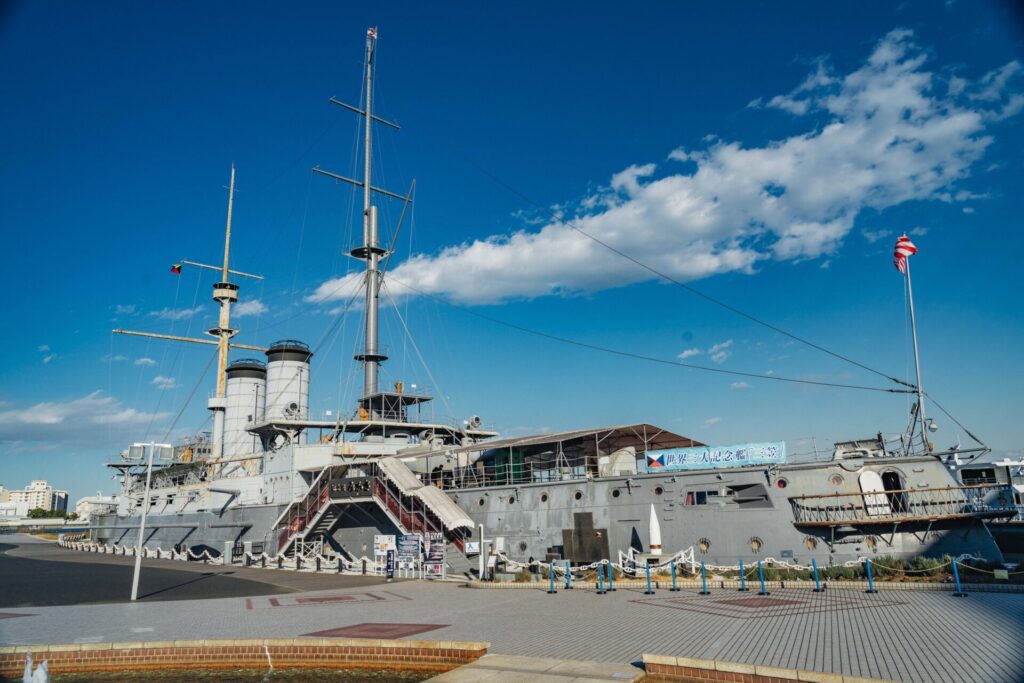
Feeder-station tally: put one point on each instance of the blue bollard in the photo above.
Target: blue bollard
(703, 580)
(956, 576)
(600, 581)
(760, 574)
(648, 591)
(611, 584)
(743, 579)
(551, 578)
(568, 577)
(871, 583)
(817, 583)
(674, 589)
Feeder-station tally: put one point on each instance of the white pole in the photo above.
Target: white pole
(917, 360)
(482, 549)
(142, 526)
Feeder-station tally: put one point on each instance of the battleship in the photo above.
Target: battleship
(273, 479)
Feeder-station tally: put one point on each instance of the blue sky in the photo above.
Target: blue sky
(768, 154)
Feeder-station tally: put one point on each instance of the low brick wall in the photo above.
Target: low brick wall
(293, 653)
(687, 670)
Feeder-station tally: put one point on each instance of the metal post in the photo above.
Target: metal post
(817, 583)
(871, 583)
(743, 579)
(917, 360)
(648, 591)
(611, 584)
(551, 578)
(483, 549)
(703, 580)
(674, 588)
(142, 525)
(600, 581)
(760, 574)
(568, 577)
(956, 576)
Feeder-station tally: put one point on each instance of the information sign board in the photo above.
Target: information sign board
(705, 457)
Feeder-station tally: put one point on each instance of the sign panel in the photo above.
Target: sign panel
(472, 547)
(706, 457)
(433, 553)
(382, 543)
(408, 550)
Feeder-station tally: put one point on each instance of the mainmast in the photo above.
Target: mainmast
(370, 251)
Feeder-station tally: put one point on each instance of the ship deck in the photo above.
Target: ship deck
(902, 635)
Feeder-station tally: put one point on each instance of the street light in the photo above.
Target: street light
(135, 452)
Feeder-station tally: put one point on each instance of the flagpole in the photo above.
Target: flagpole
(917, 360)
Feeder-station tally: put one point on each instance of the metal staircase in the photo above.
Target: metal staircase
(410, 505)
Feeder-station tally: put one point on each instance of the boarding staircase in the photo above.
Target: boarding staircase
(411, 505)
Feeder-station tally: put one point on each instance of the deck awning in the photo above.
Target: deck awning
(401, 475)
(450, 514)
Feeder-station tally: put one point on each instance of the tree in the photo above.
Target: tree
(43, 513)
(71, 516)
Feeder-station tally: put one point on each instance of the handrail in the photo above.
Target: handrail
(949, 502)
(872, 493)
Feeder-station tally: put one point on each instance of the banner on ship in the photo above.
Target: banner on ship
(703, 457)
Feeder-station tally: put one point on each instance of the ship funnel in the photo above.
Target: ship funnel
(245, 402)
(655, 541)
(288, 380)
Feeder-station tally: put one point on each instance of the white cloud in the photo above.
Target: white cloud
(739, 385)
(48, 357)
(919, 231)
(712, 421)
(720, 351)
(145, 361)
(968, 209)
(253, 307)
(175, 313)
(43, 348)
(162, 382)
(90, 420)
(126, 309)
(873, 236)
(886, 133)
(113, 358)
(689, 353)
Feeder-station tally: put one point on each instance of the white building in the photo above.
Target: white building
(11, 511)
(39, 494)
(95, 505)
(5, 495)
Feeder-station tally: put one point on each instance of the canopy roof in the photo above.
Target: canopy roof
(641, 436)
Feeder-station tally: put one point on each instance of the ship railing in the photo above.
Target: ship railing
(898, 505)
(412, 517)
(484, 476)
(301, 512)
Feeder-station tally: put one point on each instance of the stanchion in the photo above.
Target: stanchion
(817, 583)
(318, 563)
(648, 591)
(551, 578)
(743, 579)
(674, 588)
(568, 577)
(600, 581)
(703, 580)
(956, 577)
(760, 576)
(611, 584)
(341, 564)
(871, 583)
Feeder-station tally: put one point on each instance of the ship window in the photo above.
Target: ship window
(578, 495)
(756, 544)
(978, 476)
(658, 490)
(480, 502)
(511, 499)
(782, 483)
(704, 545)
(811, 542)
(616, 493)
(543, 497)
(699, 497)
(836, 480)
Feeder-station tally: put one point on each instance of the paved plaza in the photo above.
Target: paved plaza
(899, 635)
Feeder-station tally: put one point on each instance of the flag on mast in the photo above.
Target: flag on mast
(371, 33)
(176, 269)
(904, 248)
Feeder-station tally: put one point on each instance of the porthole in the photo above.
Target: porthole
(782, 483)
(756, 544)
(811, 542)
(543, 497)
(616, 493)
(578, 495)
(658, 490)
(511, 500)
(522, 546)
(481, 502)
(836, 480)
(704, 545)
(871, 542)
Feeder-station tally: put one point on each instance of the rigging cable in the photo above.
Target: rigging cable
(640, 356)
(664, 276)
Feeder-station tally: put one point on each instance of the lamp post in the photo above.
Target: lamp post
(145, 508)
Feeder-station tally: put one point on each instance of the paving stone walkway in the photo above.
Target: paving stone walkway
(899, 635)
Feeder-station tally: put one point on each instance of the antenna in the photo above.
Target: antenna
(225, 293)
